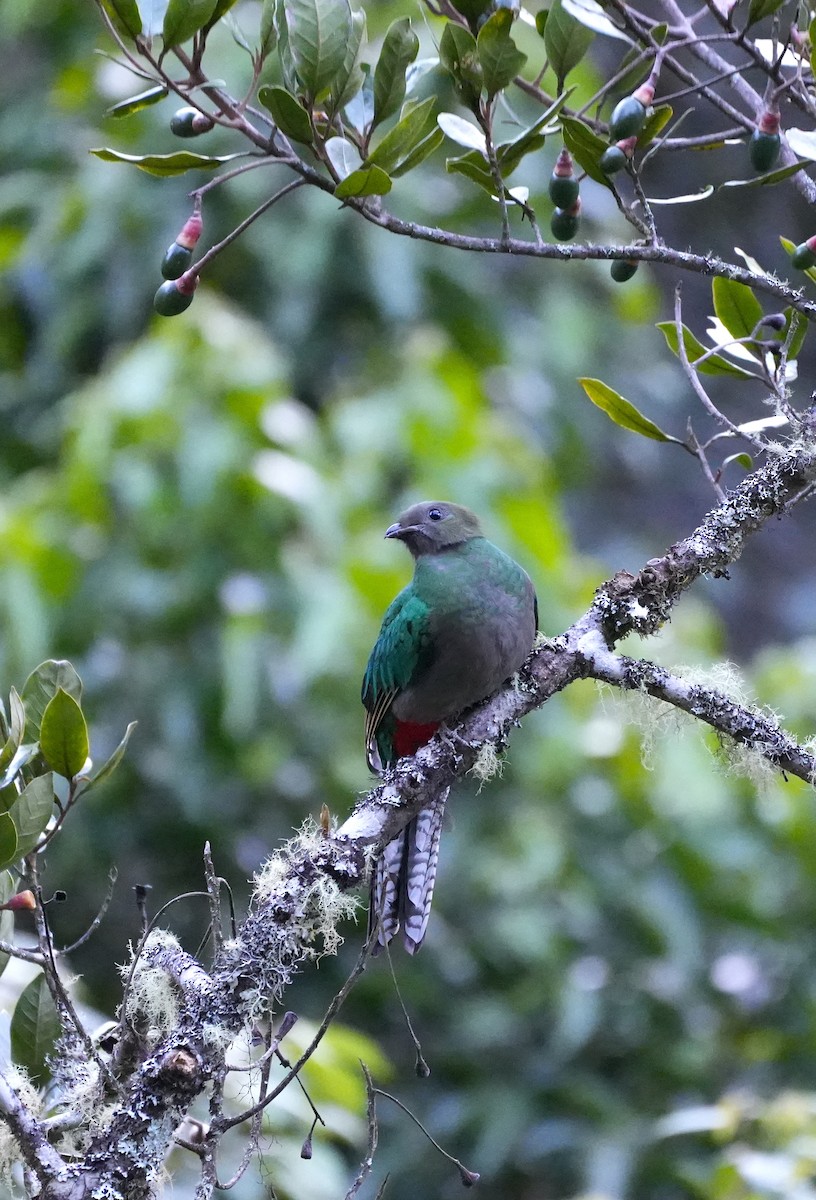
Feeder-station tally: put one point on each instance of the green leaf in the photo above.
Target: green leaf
(110, 765)
(350, 77)
(152, 12)
(43, 684)
(499, 56)
(541, 21)
(399, 49)
(762, 8)
(342, 155)
(126, 108)
(736, 306)
(459, 57)
(622, 412)
(767, 180)
(64, 736)
(655, 122)
(510, 154)
(410, 130)
(221, 8)
(585, 147)
(268, 36)
(17, 721)
(35, 1028)
(424, 150)
(366, 181)
(8, 841)
(464, 132)
(566, 41)
(284, 49)
(715, 364)
(288, 113)
(32, 812)
(742, 458)
(184, 18)
(165, 165)
(6, 918)
(318, 34)
(124, 16)
(474, 167)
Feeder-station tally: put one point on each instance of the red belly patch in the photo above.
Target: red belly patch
(408, 737)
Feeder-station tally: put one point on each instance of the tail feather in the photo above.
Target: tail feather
(403, 881)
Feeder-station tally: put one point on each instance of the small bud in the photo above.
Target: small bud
(22, 902)
(191, 231)
(469, 1178)
(645, 93)
(421, 1068)
(306, 1148)
(189, 122)
(776, 321)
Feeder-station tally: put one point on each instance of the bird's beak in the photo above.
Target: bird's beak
(394, 530)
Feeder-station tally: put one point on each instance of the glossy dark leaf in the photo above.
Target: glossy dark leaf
(288, 113)
(43, 684)
(499, 56)
(32, 812)
(736, 306)
(366, 181)
(621, 411)
(35, 1028)
(110, 764)
(399, 49)
(134, 104)
(566, 41)
(318, 34)
(184, 18)
(410, 130)
(715, 364)
(585, 147)
(124, 16)
(165, 165)
(64, 735)
(8, 841)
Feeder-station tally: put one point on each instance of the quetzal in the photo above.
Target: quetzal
(464, 624)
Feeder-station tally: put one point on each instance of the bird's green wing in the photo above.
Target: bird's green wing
(401, 649)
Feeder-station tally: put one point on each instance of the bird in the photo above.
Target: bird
(464, 624)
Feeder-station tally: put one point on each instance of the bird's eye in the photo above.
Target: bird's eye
(435, 514)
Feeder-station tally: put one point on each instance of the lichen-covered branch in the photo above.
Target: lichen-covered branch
(300, 893)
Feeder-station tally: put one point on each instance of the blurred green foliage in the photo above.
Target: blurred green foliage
(617, 995)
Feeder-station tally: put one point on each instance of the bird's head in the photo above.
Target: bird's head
(434, 525)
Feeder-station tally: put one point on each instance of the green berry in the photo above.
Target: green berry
(563, 190)
(169, 301)
(763, 149)
(613, 160)
(176, 261)
(628, 118)
(623, 269)
(803, 257)
(564, 224)
(189, 123)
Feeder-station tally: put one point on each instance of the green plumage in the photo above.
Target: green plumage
(464, 624)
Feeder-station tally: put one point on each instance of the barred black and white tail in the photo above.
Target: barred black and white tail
(403, 880)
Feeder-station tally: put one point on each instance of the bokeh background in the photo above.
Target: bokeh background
(618, 992)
